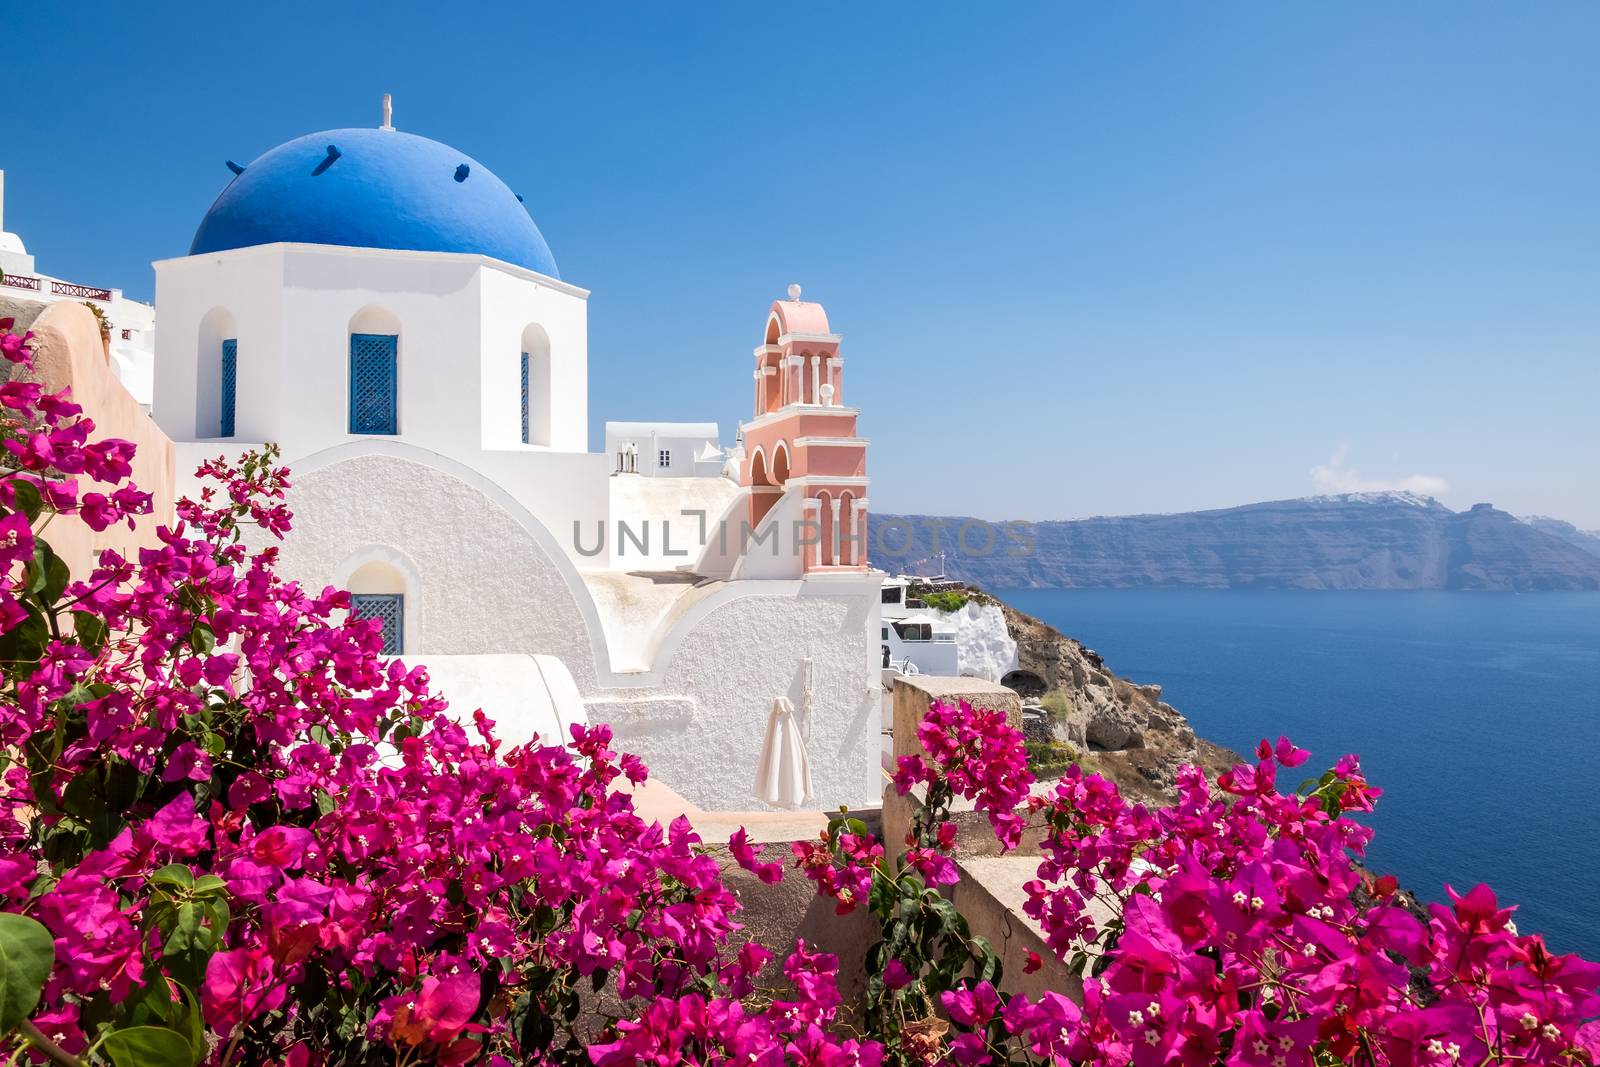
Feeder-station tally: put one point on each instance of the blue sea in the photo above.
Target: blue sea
(1477, 713)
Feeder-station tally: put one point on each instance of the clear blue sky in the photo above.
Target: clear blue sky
(1087, 258)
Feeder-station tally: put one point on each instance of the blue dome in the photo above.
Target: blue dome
(374, 189)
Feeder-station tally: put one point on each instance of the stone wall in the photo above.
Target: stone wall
(989, 893)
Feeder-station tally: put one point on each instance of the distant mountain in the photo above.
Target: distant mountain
(1588, 540)
(1349, 541)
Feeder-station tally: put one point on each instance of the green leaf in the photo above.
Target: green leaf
(185, 932)
(47, 574)
(148, 1046)
(24, 643)
(27, 952)
(201, 637)
(209, 884)
(91, 630)
(186, 1020)
(29, 502)
(218, 912)
(82, 796)
(150, 1006)
(986, 964)
(177, 874)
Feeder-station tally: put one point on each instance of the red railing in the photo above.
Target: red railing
(89, 292)
(70, 289)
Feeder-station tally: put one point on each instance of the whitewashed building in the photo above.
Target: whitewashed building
(385, 309)
(130, 324)
(665, 449)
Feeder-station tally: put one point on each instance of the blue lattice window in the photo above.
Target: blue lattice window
(230, 385)
(373, 392)
(390, 608)
(525, 438)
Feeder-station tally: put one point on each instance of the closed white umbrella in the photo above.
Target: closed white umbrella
(783, 774)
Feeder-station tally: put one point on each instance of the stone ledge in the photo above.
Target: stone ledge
(913, 694)
(990, 895)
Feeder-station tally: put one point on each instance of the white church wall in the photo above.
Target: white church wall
(566, 491)
(701, 727)
(774, 549)
(664, 523)
(478, 582)
(722, 550)
(509, 305)
(460, 321)
(292, 309)
(244, 286)
(432, 303)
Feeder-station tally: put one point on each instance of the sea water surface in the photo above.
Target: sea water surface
(1477, 713)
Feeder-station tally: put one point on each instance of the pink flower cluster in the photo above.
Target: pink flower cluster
(695, 1029)
(972, 753)
(842, 864)
(976, 754)
(1236, 927)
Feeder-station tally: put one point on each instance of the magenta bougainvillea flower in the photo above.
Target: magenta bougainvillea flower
(244, 836)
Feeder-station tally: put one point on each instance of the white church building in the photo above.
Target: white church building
(383, 307)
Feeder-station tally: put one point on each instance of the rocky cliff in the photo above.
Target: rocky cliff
(1120, 728)
(1588, 540)
(1350, 541)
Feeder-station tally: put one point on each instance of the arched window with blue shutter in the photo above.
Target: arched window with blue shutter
(230, 385)
(537, 393)
(374, 392)
(390, 610)
(525, 438)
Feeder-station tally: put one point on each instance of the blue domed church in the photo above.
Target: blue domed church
(385, 309)
(360, 226)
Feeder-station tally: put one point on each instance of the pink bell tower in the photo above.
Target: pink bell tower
(803, 439)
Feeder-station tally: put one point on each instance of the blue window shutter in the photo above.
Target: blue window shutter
(374, 395)
(525, 438)
(230, 385)
(388, 608)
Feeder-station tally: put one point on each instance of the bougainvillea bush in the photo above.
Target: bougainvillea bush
(232, 832)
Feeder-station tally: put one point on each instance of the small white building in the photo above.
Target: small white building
(130, 325)
(665, 449)
(914, 638)
(973, 641)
